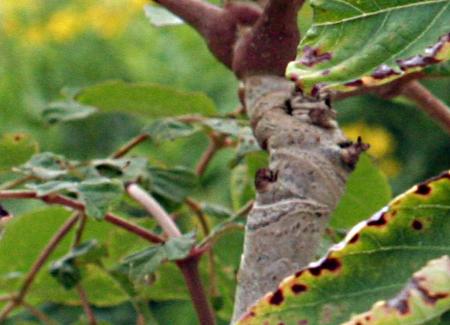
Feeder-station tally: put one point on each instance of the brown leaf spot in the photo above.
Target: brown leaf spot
(276, 298)
(400, 303)
(299, 288)
(417, 224)
(384, 71)
(18, 137)
(354, 239)
(354, 83)
(427, 296)
(381, 221)
(303, 322)
(3, 212)
(299, 273)
(330, 264)
(423, 189)
(312, 56)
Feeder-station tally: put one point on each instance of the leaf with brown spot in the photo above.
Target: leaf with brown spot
(426, 296)
(373, 263)
(352, 43)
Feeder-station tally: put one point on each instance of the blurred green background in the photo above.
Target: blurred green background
(47, 46)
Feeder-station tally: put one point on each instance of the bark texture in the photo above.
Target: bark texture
(310, 160)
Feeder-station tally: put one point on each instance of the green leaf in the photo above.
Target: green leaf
(52, 187)
(168, 130)
(16, 149)
(363, 42)
(66, 270)
(45, 166)
(159, 16)
(126, 169)
(241, 186)
(426, 296)
(24, 238)
(99, 195)
(373, 263)
(439, 70)
(173, 184)
(142, 264)
(223, 125)
(145, 99)
(216, 210)
(367, 192)
(64, 111)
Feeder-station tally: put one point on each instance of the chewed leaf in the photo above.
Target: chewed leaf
(373, 263)
(355, 43)
(427, 295)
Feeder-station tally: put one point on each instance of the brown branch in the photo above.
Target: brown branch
(122, 151)
(189, 268)
(16, 182)
(85, 303)
(76, 205)
(40, 261)
(218, 27)
(272, 42)
(197, 209)
(43, 318)
(428, 103)
(216, 143)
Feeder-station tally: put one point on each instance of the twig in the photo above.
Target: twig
(40, 261)
(43, 318)
(76, 205)
(427, 102)
(16, 182)
(86, 307)
(154, 208)
(122, 151)
(215, 144)
(189, 268)
(196, 208)
(79, 288)
(6, 297)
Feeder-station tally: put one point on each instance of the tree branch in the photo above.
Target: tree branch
(272, 42)
(219, 27)
(86, 307)
(76, 205)
(155, 209)
(122, 151)
(427, 102)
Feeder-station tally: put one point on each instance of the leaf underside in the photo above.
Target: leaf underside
(373, 263)
(354, 43)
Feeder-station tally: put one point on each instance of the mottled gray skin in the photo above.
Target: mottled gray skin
(292, 208)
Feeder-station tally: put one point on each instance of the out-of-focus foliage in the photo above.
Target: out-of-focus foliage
(50, 50)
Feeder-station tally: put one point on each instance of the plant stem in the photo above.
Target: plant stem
(215, 144)
(155, 209)
(60, 234)
(43, 318)
(427, 102)
(16, 182)
(76, 205)
(196, 208)
(86, 307)
(189, 268)
(122, 151)
(80, 229)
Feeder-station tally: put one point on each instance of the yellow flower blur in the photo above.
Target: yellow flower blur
(381, 143)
